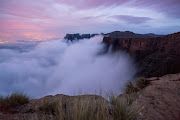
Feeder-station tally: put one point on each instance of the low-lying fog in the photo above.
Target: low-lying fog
(58, 67)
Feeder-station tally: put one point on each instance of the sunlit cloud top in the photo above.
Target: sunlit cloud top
(47, 19)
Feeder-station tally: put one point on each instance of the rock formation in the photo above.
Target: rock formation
(128, 34)
(160, 100)
(115, 34)
(78, 36)
(155, 56)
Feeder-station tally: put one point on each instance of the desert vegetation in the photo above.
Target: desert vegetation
(140, 83)
(85, 107)
(88, 108)
(13, 100)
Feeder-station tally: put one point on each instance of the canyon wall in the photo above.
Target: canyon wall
(154, 56)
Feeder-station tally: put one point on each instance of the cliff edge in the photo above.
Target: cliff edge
(154, 56)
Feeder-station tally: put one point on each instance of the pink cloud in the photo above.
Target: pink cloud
(8, 24)
(22, 8)
(25, 18)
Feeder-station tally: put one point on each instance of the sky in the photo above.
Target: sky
(37, 20)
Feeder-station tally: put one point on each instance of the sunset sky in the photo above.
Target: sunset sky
(46, 19)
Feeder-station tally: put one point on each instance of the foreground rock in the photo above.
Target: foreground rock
(160, 100)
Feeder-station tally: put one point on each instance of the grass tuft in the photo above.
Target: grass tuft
(123, 108)
(14, 100)
(79, 108)
(130, 88)
(48, 107)
(141, 83)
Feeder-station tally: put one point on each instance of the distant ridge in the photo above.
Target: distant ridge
(115, 34)
(129, 34)
(77, 36)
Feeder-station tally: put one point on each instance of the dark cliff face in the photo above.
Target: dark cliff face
(155, 56)
(78, 36)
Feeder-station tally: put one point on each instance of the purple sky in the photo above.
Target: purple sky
(46, 19)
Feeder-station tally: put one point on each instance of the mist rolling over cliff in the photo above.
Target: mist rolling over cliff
(60, 67)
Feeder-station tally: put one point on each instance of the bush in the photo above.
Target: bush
(123, 108)
(141, 83)
(78, 108)
(118, 108)
(130, 88)
(14, 100)
(83, 109)
(48, 107)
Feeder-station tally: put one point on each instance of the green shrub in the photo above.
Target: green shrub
(14, 100)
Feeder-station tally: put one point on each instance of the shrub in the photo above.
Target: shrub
(123, 108)
(141, 83)
(88, 108)
(14, 100)
(130, 88)
(77, 109)
(48, 107)
(83, 109)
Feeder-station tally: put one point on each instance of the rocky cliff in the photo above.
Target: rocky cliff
(115, 34)
(129, 34)
(154, 56)
(78, 36)
(160, 100)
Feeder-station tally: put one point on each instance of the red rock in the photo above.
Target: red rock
(155, 56)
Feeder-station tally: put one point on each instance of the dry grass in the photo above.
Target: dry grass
(78, 109)
(123, 108)
(130, 88)
(14, 100)
(141, 83)
(48, 108)
(93, 109)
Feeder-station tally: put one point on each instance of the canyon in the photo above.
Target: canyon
(154, 56)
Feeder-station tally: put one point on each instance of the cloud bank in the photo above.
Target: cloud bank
(58, 67)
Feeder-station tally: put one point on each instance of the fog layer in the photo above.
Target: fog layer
(58, 67)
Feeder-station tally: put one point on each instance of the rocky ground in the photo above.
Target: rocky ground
(158, 101)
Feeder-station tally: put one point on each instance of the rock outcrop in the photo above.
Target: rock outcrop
(115, 34)
(78, 36)
(155, 56)
(160, 100)
(128, 34)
